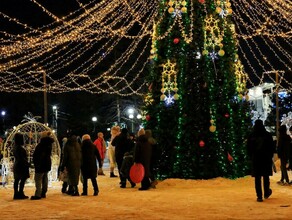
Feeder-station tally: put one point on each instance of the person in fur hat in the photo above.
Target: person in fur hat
(88, 166)
(42, 163)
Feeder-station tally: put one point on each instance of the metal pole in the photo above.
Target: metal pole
(118, 111)
(277, 107)
(45, 99)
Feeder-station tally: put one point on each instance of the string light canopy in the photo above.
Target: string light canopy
(105, 46)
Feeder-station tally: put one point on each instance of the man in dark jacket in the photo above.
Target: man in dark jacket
(260, 148)
(89, 167)
(42, 163)
(122, 144)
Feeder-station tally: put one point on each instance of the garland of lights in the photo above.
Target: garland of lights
(55, 47)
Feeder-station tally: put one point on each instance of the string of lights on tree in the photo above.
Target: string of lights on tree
(77, 52)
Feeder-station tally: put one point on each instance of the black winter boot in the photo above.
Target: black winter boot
(64, 187)
(113, 175)
(22, 196)
(70, 190)
(75, 191)
(16, 195)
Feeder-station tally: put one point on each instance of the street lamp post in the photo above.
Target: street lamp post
(45, 98)
(3, 113)
(131, 117)
(94, 120)
(55, 118)
(277, 102)
(133, 113)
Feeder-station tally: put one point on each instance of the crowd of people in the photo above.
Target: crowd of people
(261, 149)
(83, 159)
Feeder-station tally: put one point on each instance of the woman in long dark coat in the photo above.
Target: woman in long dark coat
(143, 154)
(20, 167)
(89, 168)
(260, 148)
(72, 162)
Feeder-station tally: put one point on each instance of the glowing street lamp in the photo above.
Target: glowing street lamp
(132, 114)
(3, 113)
(94, 120)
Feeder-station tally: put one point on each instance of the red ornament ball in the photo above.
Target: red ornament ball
(202, 1)
(148, 117)
(176, 40)
(226, 115)
(201, 143)
(230, 158)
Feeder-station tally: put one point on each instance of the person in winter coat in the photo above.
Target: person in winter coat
(122, 145)
(42, 163)
(284, 154)
(154, 157)
(72, 163)
(115, 131)
(101, 147)
(143, 154)
(20, 167)
(88, 167)
(63, 174)
(260, 148)
(128, 161)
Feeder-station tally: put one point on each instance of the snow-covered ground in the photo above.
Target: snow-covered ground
(217, 198)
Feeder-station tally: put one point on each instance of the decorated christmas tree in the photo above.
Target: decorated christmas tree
(196, 103)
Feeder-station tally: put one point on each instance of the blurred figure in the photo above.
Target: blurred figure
(154, 157)
(101, 147)
(284, 154)
(122, 144)
(20, 167)
(88, 167)
(143, 154)
(115, 131)
(72, 163)
(260, 148)
(42, 163)
(63, 174)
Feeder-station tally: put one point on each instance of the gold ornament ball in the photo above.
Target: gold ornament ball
(170, 3)
(184, 10)
(229, 11)
(212, 128)
(175, 89)
(228, 4)
(170, 10)
(162, 97)
(221, 53)
(183, 3)
(162, 90)
(175, 96)
(218, 10)
(211, 121)
(205, 52)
